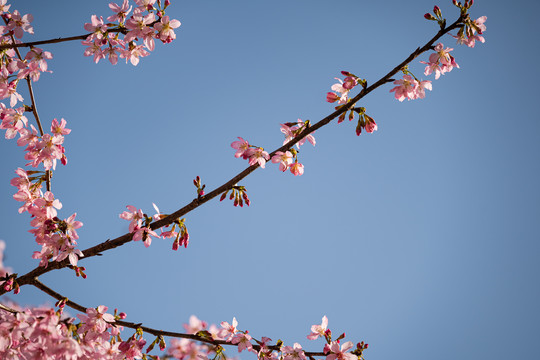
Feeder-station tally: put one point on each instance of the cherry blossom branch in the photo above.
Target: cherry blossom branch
(121, 240)
(34, 109)
(38, 284)
(57, 40)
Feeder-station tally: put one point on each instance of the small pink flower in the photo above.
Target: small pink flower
(409, 88)
(97, 27)
(318, 330)
(297, 169)
(283, 158)
(165, 29)
(340, 354)
(120, 11)
(19, 24)
(258, 156)
(293, 353)
(242, 147)
(243, 341)
(228, 330)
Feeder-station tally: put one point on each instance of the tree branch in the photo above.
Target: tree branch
(121, 240)
(38, 284)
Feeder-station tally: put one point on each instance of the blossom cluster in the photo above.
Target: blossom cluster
(56, 236)
(288, 160)
(342, 88)
(440, 62)
(13, 68)
(139, 226)
(42, 333)
(146, 23)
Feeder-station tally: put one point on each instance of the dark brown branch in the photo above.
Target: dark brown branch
(146, 329)
(121, 240)
(55, 41)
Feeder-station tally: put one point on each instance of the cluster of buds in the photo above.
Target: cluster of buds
(181, 237)
(465, 7)
(79, 271)
(200, 188)
(238, 194)
(436, 17)
(360, 347)
(364, 122)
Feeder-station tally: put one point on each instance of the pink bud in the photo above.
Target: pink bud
(122, 315)
(428, 16)
(167, 3)
(331, 97)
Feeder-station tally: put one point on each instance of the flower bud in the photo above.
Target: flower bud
(428, 16)
(331, 97)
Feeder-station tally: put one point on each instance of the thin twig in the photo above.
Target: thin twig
(55, 41)
(38, 284)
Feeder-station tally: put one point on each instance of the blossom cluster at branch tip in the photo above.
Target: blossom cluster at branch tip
(147, 22)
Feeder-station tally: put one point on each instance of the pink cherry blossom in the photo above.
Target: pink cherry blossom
(243, 341)
(120, 11)
(283, 158)
(297, 169)
(440, 62)
(165, 29)
(293, 353)
(242, 147)
(228, 330)
(409, 88)
(49, 203)
(145, 234)
(134, 215)
(469, 37)
(195, 325)
(337, 353)
(318, 330)
(97, 27)
(19, 24)
(258, 156)
(342, 91)
(96, 319)
(138, 25)
(133, 53)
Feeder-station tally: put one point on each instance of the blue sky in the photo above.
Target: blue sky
(421, 239)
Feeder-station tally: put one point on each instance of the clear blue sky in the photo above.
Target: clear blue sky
(421, 239)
